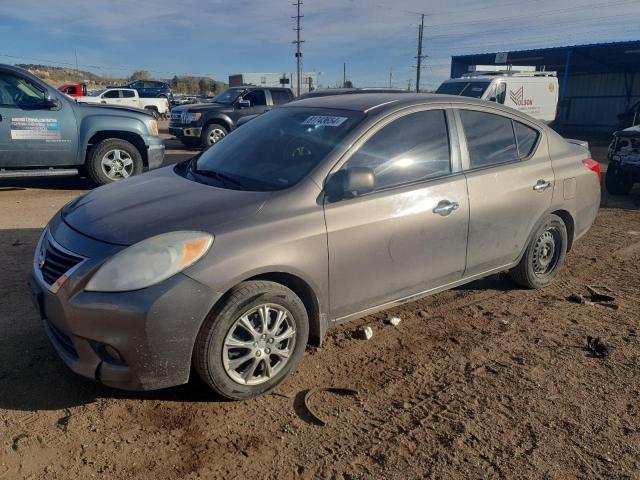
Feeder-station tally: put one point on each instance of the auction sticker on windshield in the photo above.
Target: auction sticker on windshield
(324, 121)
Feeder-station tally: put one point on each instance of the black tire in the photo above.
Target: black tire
(190, 142)
(205, 139)
(209, 348)
(153, 112)
(98, 151)
(616, 183)
(535, 269)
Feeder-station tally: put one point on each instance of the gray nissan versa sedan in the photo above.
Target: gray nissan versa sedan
(317, 212)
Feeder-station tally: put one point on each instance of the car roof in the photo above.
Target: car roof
(365, 102)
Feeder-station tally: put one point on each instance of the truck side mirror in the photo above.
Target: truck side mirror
(49, 101)
(243, 104)
(493, 99)
(350, 183)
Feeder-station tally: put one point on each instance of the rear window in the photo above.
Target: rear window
(527, 138)
(462, 88)
(490, 138)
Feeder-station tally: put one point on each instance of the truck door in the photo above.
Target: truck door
(111, 97)
(31, 133)
(130, 99)
(258, 101)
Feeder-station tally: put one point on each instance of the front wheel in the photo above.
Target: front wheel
(252, 340)
(544, 255)
(616, 183)
(212, 133)
(113, 159)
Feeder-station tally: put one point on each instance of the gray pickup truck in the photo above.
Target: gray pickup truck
(43, 132)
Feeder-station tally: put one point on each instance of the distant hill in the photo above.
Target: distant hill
(184, 84)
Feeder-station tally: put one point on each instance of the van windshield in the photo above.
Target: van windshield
(465, 89)
(274, 151)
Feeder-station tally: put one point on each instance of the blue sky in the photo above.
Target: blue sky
(222, 37)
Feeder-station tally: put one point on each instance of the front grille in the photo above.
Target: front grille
(55, 262)
(62, 340)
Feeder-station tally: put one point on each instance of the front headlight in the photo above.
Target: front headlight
(150, 261)
(192, 117)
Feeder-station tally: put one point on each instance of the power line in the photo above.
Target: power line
(297, 42)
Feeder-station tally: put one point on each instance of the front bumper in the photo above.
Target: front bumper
(155, 152)
(186, 131)
(152, 330)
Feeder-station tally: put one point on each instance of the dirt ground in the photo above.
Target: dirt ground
(484, 381)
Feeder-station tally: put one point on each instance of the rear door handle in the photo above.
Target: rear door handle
(445, 207)
(541, 185)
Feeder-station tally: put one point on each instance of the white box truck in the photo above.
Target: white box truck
(523, 88)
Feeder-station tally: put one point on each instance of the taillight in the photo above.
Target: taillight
(592, 165)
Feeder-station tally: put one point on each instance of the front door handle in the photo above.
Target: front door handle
(445, 207)
(541, 185)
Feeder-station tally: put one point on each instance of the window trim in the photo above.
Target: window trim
(464, 147)
(454, 148)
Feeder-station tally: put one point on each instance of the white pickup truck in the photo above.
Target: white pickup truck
(128, 97)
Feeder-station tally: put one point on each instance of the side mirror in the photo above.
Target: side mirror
(493, 99)
(243, 104)
(350, 183)
(49, 101)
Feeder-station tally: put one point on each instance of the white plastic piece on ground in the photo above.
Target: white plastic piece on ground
(395, 321)
(367, 333)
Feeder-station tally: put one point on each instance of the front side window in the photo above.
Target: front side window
(256, 97)
(412, 148)
(111, 94)
(490, 138)
(275, 150)
(18, 92)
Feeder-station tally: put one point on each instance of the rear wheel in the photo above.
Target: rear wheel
(113, 159)
(616, 183)
(212, 133)
(544, 256)
(252, 340)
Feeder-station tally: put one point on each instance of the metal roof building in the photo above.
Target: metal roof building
(597, 81)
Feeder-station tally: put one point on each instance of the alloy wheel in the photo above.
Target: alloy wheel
(259, 344)
(117, 164)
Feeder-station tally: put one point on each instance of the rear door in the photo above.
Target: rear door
(510, 182)
(31, 135)
(401, 239)
(129, 98)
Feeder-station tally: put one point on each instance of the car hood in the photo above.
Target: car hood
(100, 107)
(200, 107)
(157, 202)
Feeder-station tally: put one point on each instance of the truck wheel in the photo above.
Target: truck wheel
(113, 159)
(616, 182)
(252, 340)
(212, 133)
(544, 256)
(153, 112)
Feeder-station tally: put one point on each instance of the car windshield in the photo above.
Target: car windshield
(228, 96)
(274, 151)
(464, 89)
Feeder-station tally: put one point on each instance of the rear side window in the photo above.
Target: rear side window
(527, 138)
(412, 148)
(279, 97)
(490, 138)
(128, 94)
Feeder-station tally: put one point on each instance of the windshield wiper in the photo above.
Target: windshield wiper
(223, 177)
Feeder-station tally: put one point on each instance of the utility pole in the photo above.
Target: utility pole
(344, 75)
(297, 42)
(390, 76)
(419, 57)
(409, 87)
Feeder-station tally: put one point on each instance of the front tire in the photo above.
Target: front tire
(544, 255)
(251, 340)
(616, 183)
(212, 133)
(113, 159)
